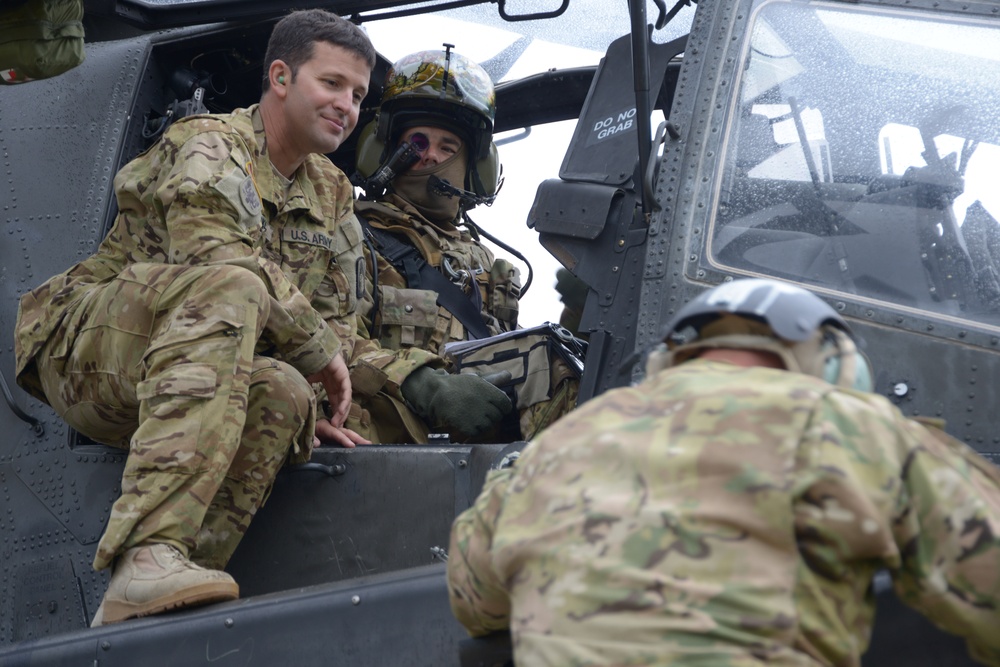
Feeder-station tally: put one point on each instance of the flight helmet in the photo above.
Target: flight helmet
(442, 89)
(770, 316)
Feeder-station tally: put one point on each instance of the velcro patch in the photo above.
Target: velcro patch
(308, 236)
(249, 197)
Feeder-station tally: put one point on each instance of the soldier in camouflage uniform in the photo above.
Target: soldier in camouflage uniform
(729, 512)
(189, 338)
(444, 103)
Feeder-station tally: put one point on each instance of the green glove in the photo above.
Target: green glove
(460, 404)
(573, 294)
(572, 290)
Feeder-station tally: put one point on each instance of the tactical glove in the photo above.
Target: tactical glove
(573, 294)
(461, 404)
(572, 290)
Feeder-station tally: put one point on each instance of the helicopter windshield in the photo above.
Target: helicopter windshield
(862, 157)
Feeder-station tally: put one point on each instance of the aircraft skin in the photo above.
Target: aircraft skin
(341, 564)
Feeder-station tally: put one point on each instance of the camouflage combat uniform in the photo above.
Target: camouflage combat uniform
(179, 337)
(411, 318)
(727, 516)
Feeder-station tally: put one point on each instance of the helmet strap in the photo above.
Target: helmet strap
(829, 354)
(682, 353)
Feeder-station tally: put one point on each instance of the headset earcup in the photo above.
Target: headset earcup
(864, 377)
(369, 151)
(845, 365)
(485, 176)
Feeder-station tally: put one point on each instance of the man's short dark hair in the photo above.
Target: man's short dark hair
(293, 37)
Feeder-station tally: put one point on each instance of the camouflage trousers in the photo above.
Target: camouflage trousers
(161, 361)
(535, 418)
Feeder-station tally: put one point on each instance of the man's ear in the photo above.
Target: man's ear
(280, 76)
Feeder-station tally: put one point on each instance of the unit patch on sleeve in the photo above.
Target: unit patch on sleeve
(249, 197)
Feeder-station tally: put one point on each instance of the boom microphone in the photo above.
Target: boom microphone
(443, 188)
(405, 157)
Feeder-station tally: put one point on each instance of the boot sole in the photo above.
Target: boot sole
(116, 611)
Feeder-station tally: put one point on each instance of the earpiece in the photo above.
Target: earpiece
(281, 79)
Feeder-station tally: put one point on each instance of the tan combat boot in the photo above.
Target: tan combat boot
(156, 578)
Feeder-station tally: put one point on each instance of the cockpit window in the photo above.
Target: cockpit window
(863, 158)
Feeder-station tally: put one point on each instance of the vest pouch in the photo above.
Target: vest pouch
(407, 317)
(40, 39)
(527, 354)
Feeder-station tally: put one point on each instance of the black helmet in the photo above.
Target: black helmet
(771, 316)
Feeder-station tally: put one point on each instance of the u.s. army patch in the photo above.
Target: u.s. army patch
(307, 236)
(249, 197)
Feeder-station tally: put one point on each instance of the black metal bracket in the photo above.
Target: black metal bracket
(502, 8)
(335, 470)
(36, 425)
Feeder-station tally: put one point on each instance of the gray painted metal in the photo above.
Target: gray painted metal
(368, 520)
(390, 619)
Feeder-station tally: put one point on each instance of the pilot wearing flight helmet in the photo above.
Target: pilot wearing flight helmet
(425, 161)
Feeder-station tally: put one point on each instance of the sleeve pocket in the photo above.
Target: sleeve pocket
(194, 380)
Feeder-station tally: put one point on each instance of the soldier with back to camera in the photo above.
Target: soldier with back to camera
(732, 508)
(426, 159)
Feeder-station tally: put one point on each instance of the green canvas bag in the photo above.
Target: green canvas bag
(39, 39)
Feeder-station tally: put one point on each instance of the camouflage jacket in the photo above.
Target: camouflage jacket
(727, 516)
(411, 318)
(206, 193)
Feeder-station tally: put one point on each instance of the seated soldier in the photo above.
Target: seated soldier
(434, 281)
(185, 339)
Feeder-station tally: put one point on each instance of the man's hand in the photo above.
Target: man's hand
(463, 404)
(345, 437)
(572, 291)
(336, 379)
(573, 294)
